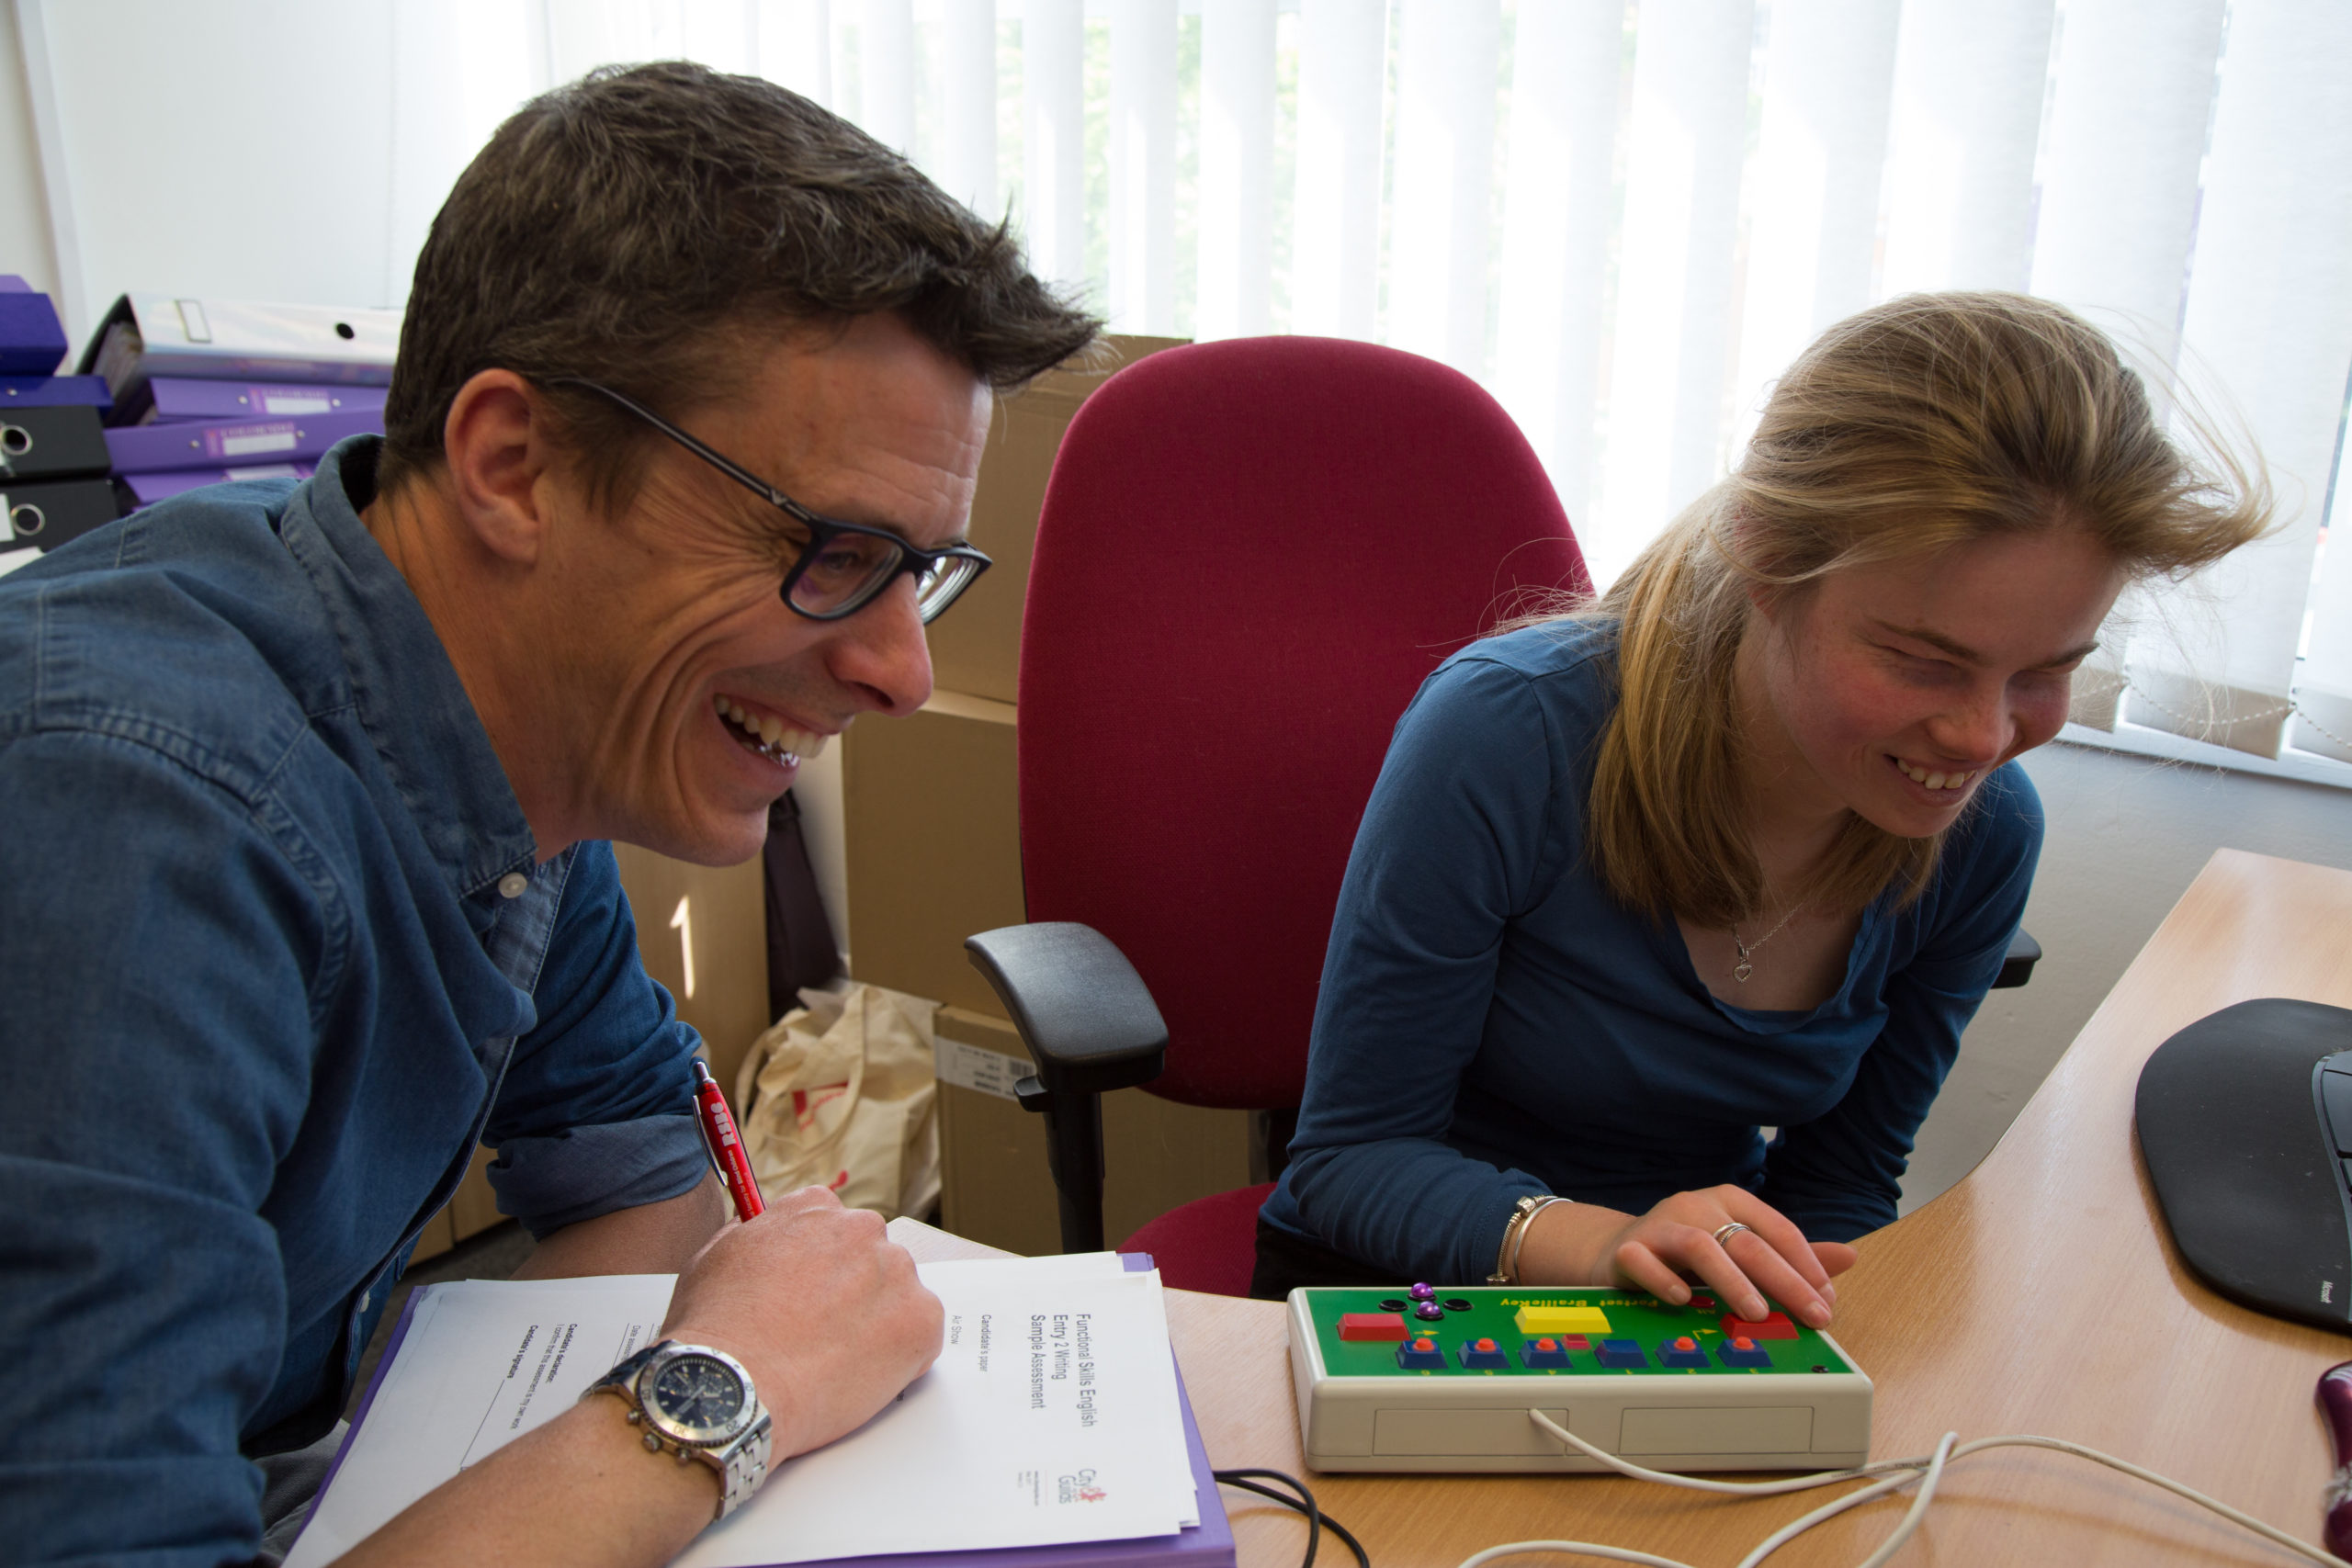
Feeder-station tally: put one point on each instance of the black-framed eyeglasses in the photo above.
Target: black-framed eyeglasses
(843, 566)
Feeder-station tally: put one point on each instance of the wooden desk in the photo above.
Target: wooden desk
(2041, 1294)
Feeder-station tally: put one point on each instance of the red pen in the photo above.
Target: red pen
(726, 1146)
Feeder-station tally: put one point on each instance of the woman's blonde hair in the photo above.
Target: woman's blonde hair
(1919, 425)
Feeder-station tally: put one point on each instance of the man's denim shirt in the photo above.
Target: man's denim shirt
(275, 954)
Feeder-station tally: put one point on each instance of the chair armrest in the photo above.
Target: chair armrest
(1090, 1026)
(2018, 967)
(1085, 1014)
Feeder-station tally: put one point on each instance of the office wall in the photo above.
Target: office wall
(158, 181)
(2127, 835)
(26, 247)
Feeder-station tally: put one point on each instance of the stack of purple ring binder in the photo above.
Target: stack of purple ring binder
(211, 391)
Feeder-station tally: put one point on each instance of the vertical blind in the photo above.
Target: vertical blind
(1626, 216)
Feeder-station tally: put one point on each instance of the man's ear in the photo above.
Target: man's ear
(496, 444)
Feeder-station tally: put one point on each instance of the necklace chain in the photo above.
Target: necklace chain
(1745, 967)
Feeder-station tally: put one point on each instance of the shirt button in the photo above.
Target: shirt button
(363, 1300)
(512, 884)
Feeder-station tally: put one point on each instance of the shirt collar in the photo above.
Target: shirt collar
(405, 690)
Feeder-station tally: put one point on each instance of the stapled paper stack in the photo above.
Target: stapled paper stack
(206, 391)
(1051, 1433)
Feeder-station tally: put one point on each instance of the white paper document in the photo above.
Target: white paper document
(1051, 1415)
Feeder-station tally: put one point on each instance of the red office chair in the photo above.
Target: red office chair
(1252, 553)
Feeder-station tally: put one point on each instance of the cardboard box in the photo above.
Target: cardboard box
(433, 1240)
(703, 932)
(932, 834)
(473, 1207)
(996, 1187)
(976, 648)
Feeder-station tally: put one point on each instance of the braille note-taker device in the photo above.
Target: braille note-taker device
(1431, 1380)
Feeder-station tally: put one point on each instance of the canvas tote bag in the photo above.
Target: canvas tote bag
(840, 1093)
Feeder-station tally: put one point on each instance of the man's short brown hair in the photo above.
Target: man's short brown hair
(629, 228)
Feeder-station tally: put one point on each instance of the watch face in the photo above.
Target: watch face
(699, 1397)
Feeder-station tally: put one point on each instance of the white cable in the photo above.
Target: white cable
(1734, 1488)
(1796, 1528)
(2269, 1532)
(1897, 1474)
(1580, 1547)
(1927, 1483)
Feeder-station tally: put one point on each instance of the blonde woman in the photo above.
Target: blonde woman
(1741, 846)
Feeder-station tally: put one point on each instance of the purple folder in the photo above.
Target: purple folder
(33, 340)
(54, 391)
(145, 448)
(180, 400)
(1208, 1544)
(148, 489)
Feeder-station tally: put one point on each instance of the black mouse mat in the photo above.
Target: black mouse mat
(2246, 1120)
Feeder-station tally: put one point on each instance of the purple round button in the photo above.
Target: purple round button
(1429, 1312)
(1422, 1293)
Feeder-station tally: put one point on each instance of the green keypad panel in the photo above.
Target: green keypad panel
(1508, 1331)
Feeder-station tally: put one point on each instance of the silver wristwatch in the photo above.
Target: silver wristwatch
(700, 1403)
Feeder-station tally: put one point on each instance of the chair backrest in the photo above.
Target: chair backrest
(1250, 555)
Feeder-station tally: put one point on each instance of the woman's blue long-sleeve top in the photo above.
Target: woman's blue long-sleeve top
(1493, 1024)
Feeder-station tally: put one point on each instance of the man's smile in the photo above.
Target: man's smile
(766, 734)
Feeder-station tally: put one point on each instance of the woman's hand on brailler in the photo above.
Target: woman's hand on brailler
(1771, 1258)
(1660, 1251)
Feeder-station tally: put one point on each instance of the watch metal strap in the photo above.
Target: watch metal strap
(741, 1465)
(747, 1464)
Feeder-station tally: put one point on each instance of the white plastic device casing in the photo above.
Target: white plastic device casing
(1455, 1421)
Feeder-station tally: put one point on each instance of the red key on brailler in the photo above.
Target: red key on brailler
(1372, 1325)
(1772, 1325)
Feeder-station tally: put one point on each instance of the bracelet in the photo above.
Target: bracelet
(1515, 1235)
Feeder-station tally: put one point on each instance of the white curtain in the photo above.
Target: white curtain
(1624, 216)
(1237, 208)
(1684, 136)
(2268, 326)
(1819, 164)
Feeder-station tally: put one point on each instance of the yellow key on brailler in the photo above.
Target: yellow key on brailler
(1562, 1320)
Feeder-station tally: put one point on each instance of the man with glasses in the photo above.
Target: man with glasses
(305, 878)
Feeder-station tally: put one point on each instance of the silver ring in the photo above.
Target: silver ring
(1725, 1232)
